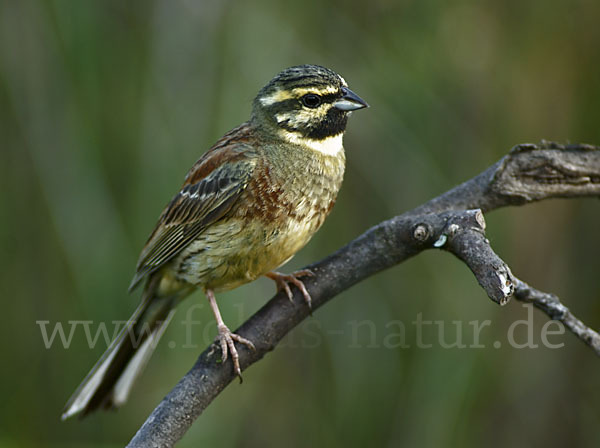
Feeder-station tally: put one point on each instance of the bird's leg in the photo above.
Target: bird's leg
(283, 280)
(226, 337)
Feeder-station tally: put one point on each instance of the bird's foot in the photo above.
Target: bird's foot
(283, 283)
(226, 339)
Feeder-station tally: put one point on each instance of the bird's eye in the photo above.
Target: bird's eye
(311, 100)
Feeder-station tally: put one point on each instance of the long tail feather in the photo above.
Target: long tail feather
(109, 382)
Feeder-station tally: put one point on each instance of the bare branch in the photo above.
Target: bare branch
(551, 305)
(466, 239)
(528, 173)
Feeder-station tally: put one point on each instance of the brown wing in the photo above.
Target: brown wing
(210, 189)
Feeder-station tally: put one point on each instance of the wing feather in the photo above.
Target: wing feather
(205, 198)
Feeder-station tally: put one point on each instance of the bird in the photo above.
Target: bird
(250, 202)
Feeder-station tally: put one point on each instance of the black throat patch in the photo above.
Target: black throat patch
(318, 128)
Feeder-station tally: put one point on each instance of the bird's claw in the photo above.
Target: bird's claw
(226, 340)
(283, 283)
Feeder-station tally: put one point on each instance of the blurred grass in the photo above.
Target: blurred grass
(105, 105)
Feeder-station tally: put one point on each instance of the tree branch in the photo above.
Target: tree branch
(452, 221)
(551, 305)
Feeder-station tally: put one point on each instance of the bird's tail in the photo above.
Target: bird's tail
(109, 382)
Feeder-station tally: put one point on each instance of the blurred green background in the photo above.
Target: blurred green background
(105, 105)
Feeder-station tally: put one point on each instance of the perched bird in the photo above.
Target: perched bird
(245, 208)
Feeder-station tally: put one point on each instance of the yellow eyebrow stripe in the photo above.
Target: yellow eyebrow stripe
(276, 97)
(301, 91)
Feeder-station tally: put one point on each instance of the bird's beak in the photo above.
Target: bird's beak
(350, 101)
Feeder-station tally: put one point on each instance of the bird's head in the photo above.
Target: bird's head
(306, 103)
